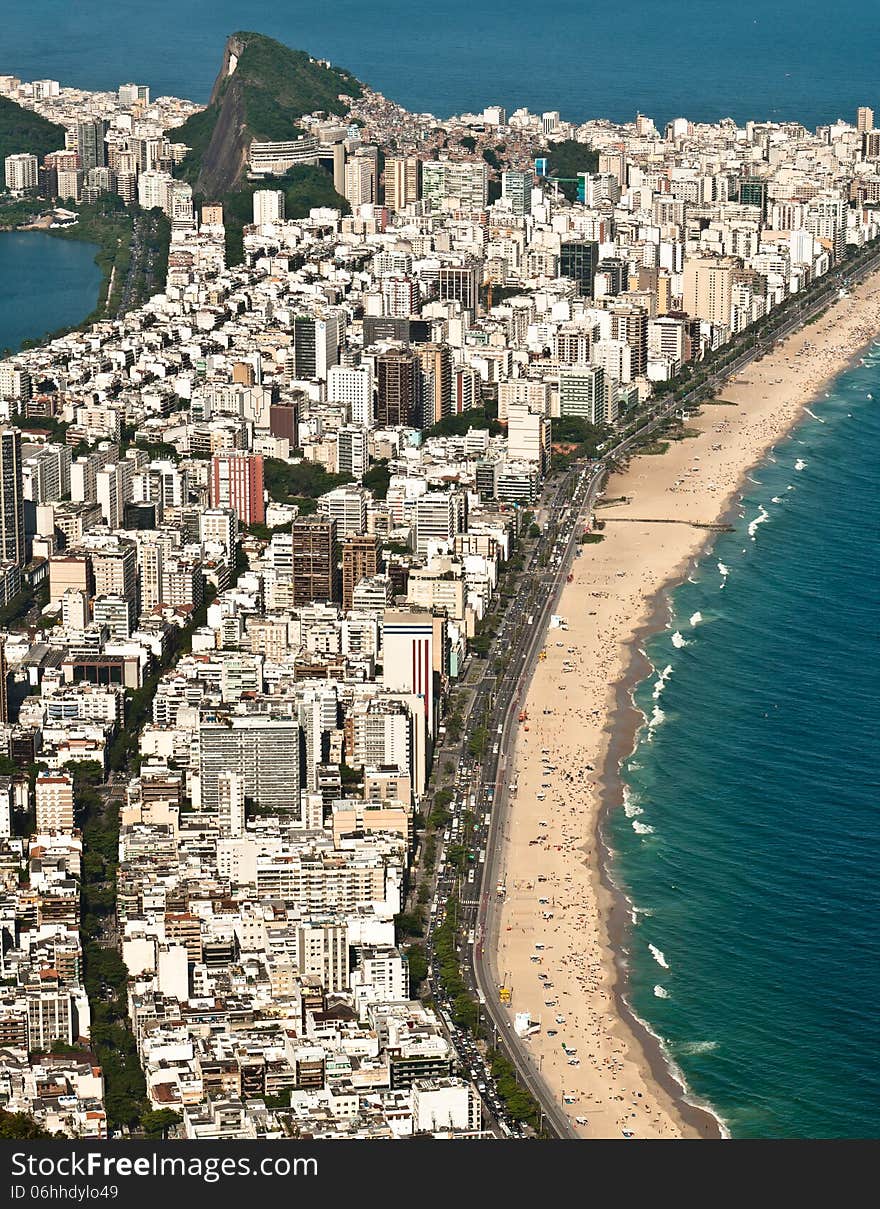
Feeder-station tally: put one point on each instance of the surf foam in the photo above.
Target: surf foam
(658, 956)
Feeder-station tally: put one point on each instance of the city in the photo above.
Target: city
(279, 550)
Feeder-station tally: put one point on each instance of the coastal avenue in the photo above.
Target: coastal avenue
(520, 638)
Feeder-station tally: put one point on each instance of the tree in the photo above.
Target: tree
(18, 1125)
(156, 1124)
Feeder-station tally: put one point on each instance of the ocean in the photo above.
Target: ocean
(46, 283)
(749, 842)
(706, 59)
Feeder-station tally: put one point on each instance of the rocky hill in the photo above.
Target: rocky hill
(261, 91)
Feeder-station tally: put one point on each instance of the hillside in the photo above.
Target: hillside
(567, 159)
(22, 130)
(305, 187)
(261, 91)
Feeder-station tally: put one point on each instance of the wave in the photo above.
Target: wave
(776, 499)
(642, 828)
(677, 641)
(757, 482)
(697, 1047)
(813, 414)
(661, 992)
(657, 718)
(696, 618)
(631, 808)
(800, 464)
(763, 515)
(660, 682)
(725, 571)
(659, 956)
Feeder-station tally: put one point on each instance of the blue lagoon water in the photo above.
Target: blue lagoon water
(46, 283)
(749, 842)
(703, 59)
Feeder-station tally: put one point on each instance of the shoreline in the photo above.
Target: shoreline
(753, 424)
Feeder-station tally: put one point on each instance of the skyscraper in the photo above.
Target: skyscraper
(315, 555)
(403, 181)
(864, 119)
(516, 187)
(578, 260)
(398, 388)
(315, 345)
(461, 283)
(263, 752)
(90, 144)
(408, 655)
(435, 363)
(12, 546)
(237, 483)
(360, 560)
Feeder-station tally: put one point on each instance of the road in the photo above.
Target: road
(486, 787)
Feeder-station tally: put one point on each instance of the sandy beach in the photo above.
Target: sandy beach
(581, 724)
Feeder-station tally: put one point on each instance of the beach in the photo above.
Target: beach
(561, 917)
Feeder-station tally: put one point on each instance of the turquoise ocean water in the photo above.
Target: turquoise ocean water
(46, 283)
(749, 842)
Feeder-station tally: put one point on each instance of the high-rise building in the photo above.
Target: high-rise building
(352, 385)
(360, 560)
(403, 181)
(435, 393)
(398, 393)
(4, 687)
(268, 206)
(708, 288)
(578, 260)
(230, 804)
(12, 543)
(90, 136)
(528, 435)
(54, 802)
(237, 483)
(408, 655)
(115, 572)
(22, 172)
(630, 324)
(438, 516)
(864, 118)
(347, 505)
(360, 180)
(263, 752)
(582, 393)
(467, 183)
(315, 558)
(284, 420)
(461, 283)
(516, 188)
(352, 451)
(316, 342)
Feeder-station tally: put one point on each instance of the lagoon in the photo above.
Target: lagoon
(46, 283)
